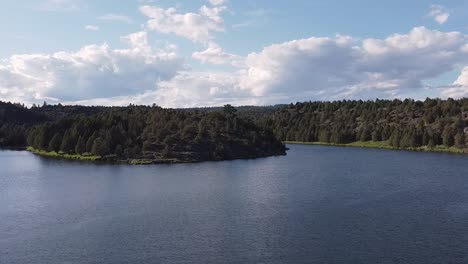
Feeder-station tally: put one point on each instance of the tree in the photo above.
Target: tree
(55, 142)
(447, 137)
(90, 142)
(376, 135)
(229, 110)
(68, 143)
(395, 138)
(324, 136)
(460, 140)
(431, 144)
(80, 147)
(99, 147)
(365, 135)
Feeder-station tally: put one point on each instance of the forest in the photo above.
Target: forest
(401, 124)
(140, 134)
(153, 134)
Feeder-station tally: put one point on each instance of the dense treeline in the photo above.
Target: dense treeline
(156, 134)
(15, 121)
(226, 133)
(402, 124)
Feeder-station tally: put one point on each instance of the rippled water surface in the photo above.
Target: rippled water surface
(316, 205)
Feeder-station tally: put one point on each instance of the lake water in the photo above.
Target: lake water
(316, 205)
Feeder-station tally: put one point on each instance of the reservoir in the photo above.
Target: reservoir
(316, 205)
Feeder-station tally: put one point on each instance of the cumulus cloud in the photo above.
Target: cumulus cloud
(463, 79)
(188, 89)
(322, 69)
(214, 54)
(439, 13)
(191, 89)
(92, 72)
(91, 27)
(459, 88)
(316, 68)
(197, 27)
(343, 67)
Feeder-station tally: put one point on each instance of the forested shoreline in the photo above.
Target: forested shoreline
(141, 134)
(406, 124)
(151, 134)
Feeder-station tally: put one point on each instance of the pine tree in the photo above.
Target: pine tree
(68, 143)
(55, 142)
(99, 148)
(447, 138)
(80, 147)
(460, 140)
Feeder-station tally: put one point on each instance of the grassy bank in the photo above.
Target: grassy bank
(90, 157)
(384, 145)
(54, 154)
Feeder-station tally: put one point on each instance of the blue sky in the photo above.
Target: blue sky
(236, 61)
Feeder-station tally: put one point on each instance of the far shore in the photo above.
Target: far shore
(384, 145)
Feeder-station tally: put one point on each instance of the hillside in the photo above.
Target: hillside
(139, 134)
(399, 124)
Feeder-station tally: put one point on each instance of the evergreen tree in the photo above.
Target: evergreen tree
(99, 148)
(68, 143)
(80, 147)
(55, 142)
(459, 140)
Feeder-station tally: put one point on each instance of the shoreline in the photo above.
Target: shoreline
(136, 161)
(58, 155)
(98, 159)
(13, 148)
(384, 145)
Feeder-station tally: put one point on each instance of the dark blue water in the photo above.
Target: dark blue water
(316, 205)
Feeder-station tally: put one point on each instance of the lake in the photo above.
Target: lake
(316, 205)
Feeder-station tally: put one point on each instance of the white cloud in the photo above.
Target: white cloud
(187, 89)
(459, 88)
(217, 2)
(316, 68)
(92, 27)
(439, 13)
(320, 69)
(116, 17)
(214, 54)
(463, 78)
(191, 89)
(92, 72)
(197, 27)
(342, 67)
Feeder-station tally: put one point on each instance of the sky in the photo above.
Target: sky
(215, 52)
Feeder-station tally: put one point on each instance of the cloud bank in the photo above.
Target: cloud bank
(315, 68)
(92, 72)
